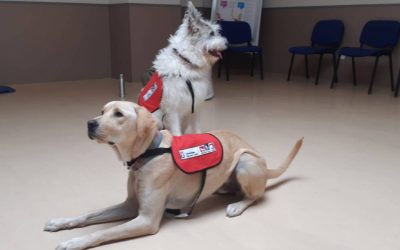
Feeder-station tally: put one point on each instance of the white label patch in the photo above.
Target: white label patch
(150, 92)
(197, 151)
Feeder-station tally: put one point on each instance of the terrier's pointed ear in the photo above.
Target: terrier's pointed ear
(192, 10)
(192, 17)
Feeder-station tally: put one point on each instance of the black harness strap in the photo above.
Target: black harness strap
(188, 82)
(202, 183)
(190, 87)
(178, 212)
(149, 153)
(185, 59)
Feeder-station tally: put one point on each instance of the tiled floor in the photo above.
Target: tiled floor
(342, 191)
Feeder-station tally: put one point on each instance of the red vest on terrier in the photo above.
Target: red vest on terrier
(150, 95)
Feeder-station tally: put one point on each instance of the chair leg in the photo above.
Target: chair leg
(226, 62)
(219, 68)
(319, 68)
(335, 71)
(396, 93)
(252, 64)
(306, 59)
(261, 65)
(290, 68)
(373, 75)
(353, 65)
(391, 72)
(334, 67)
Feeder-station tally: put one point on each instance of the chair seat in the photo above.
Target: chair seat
(245, 49)
(238, 36)
(6, 89)
(360, 52)
(308, 50)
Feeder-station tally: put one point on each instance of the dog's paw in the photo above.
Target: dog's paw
(73, 244)
(234, 209)
(54, 225)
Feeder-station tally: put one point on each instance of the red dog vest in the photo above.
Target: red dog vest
(196, 152)
(150, 96)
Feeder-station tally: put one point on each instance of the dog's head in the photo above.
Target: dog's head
(197, 39)
(124, 123)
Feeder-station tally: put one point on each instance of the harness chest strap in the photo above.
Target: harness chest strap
(190, 87)
(147, 154)
(188, 82)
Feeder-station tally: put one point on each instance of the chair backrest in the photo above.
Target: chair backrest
(380, 33)
(236, 32)
(328, 33)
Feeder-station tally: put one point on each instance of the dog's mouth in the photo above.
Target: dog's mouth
(91, 135)
(215, 53)
(94, 136)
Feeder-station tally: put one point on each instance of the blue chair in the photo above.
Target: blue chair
(378, 38)
(239, 38)
(326, 38)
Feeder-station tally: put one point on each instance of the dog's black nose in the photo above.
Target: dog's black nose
(92, 125)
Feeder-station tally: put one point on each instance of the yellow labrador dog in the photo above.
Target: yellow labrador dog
(155, 183)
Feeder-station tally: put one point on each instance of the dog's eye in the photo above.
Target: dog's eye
(212, 33)
(118, 114)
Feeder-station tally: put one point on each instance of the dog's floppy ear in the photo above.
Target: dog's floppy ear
(192, 17)
(145, 122)
(146, 128)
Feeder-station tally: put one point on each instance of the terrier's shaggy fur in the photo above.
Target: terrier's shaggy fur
(192, 51)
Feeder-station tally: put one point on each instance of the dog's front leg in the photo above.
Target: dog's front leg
(125, 210)
(147, 222)
(173, 123)
(194, 123)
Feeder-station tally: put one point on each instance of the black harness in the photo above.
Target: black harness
(148, 155)
(190, 87)
(188, 82)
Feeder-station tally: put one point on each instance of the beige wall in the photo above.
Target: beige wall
(51, 42)
(138, 32)
(106, 2)
(151, 26)
(120, 36)
(208, 3)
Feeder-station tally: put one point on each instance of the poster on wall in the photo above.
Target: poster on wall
(239, 10)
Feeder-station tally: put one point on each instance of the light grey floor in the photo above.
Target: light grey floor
(342, 192)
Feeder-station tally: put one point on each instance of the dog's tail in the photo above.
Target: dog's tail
(275, 173)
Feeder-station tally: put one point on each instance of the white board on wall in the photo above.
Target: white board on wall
(239, 10)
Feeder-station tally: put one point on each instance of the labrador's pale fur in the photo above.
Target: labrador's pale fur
(159, 184)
